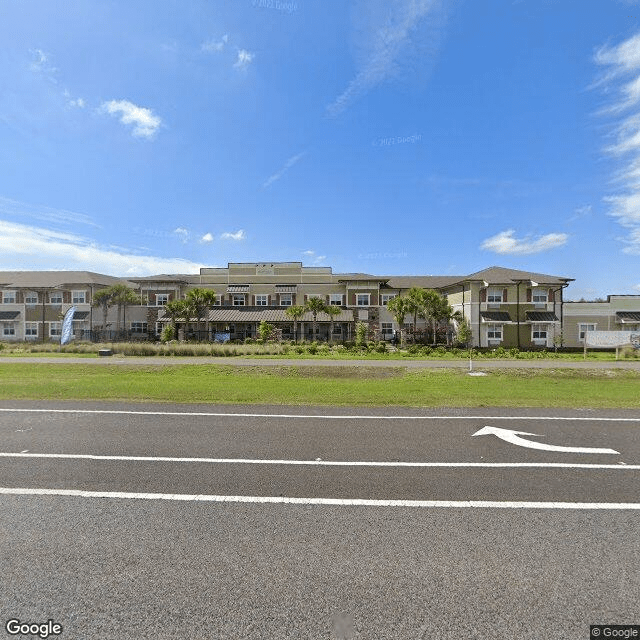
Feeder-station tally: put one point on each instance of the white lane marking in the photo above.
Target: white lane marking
(513, 437)
(321, 463)
(319, 417)
(347, 502)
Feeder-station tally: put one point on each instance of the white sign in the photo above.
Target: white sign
(611, 339)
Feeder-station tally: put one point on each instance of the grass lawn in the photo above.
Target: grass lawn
(363, 386)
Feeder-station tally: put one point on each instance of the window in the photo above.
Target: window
(55, 297)
(337, 329)
(138, 327)
(30, 329)
(286, 299)
(9, 297)
(387, 328)
(262, 300)
(78, 297)
(388, 296)
(238, 299)
(362, 299)
(539, 296)
(583, 328)
(31, 297)
(162, 299)
(494, 295)
(218, 302)
(8, 328)
(539, 332)
(55, 328)
(335, 299)
(494, 332)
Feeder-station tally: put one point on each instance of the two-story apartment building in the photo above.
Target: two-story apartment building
(503, 306)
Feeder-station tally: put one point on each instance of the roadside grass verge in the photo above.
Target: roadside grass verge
(290, 385)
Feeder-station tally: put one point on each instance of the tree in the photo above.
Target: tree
(434, 309)
(399, 307)
(176, 309)
(295, 312)
(417, 301)
(265, 331)
(332, 311)
(123, 297)
(198, 302)
(315, 306)
(464, 334)
(103, 298)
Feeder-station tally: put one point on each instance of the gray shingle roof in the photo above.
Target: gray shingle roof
(9, 315)
(252, 314)
(51, 279)
(628, 316)
(502, 275)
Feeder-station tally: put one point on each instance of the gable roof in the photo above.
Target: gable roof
(502, 275)
(51, 279)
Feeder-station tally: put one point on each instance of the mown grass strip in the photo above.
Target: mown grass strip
(357, 386)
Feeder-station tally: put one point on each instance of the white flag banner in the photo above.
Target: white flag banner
(611, 339)
(67, 326)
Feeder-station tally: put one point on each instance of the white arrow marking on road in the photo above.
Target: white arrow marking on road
(509, 435)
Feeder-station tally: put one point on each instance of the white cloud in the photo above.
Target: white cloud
(182, 233)
(22, 210)
(313, 258)
(74, 102)
(506, 243)
(212, 45)
(207, 237)
(40, 62)
(622, 80)
(26, 247)
(238, 235)
(244, 59)
(145, 122)
(287, 165)
(385, 31)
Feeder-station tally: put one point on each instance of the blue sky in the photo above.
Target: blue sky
(379, 136)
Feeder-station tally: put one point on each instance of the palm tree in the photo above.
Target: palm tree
(433, 309)
(295, 312)
(417, 300)
(198, 302)
(103, 298)
(315, 306)
(176, 309)
(399, 307)
(123, 297)
(332, 311)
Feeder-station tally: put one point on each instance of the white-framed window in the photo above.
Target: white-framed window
(539, 332)
(31, 297)
(159, 327)
(387, 328)
(31, 329)
(286, 299)
(55, 328)
(238, 300)
(162, 299)
(9, 297)
(218, 302)
(262, 300)
(8, 328)
(385, 297)
(138, 327)
(78, 297)
(583, 327)
(539, 296)
(494, 332)
(362, 299)
(55, 297)
(337, 329)
(335, 299)
(494, 295)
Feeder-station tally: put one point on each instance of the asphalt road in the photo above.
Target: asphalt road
(314, 522)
